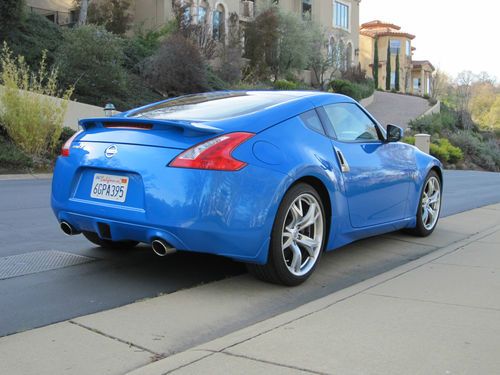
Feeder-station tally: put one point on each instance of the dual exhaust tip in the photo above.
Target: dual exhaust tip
(68, 229)
(160, 247)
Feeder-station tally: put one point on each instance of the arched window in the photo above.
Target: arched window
(218, 20)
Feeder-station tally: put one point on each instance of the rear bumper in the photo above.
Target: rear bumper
(223, 213)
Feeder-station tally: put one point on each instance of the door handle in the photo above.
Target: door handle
(344, 166)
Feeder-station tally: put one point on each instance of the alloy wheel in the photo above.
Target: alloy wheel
(302, 234)
(431, 203)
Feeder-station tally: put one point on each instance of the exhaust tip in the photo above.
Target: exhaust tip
(67, 228)
(162, 248)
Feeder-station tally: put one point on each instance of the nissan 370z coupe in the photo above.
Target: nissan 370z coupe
(271, 179)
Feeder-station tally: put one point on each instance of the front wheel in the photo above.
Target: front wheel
(108, 244)
(429, 206)
(297, 238)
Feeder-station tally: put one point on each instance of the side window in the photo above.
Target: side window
(350, 123)
(312, 121)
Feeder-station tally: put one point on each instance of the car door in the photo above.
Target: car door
(376, 173)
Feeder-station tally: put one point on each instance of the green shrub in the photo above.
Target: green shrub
(357, 91)
(283, 84)
(33, 120)
(410, 140)
(445, 151)
(34, 35)
(12, 159)
(483, 154)
(439, 152)
(92, 58)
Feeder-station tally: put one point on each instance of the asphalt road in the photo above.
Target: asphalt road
(113, 278)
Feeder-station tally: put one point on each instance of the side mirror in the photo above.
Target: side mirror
(394, 133)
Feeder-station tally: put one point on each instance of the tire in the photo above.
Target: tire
(427, 219)
(299, 229)
(108, 244)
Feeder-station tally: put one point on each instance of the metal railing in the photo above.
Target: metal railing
(61, 18)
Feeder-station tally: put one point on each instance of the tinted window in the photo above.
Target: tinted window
(212, 106)
(312, 121)
(350, 123)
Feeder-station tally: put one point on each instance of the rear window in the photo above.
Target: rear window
(212, 106)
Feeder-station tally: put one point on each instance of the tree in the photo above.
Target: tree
(231, 61)
(440, 81)
(84, 6)
(375, 63)
(200, 33)
(261, 43)
(464, 82)
(396, 84)
(294, 44)
(388, 69)
(114, 15)
(177, 68)
(11, 16)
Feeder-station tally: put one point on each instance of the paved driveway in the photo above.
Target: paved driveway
(396, 109)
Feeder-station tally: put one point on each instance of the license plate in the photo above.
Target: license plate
(109, 187)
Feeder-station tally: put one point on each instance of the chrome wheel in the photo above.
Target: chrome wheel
(302, 234)
(431, 203)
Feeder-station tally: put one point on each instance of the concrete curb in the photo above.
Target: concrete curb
(27, 176)
(367, 101)
(200, 352)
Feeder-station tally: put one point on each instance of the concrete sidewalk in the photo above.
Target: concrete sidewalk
(437, 314)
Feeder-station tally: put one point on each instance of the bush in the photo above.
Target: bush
(357, 91)
(12, 159)
(283, 84)
(33, 120)
(33, 36)
(435, 123)
(11, 15)
(91, 58)
(483, 154)
(177, 68)
(410, 140)
(445, 151)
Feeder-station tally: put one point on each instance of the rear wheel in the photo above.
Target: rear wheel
(297, 238)
(429, 206)
(108, 244)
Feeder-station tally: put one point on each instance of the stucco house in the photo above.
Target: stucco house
(415, 77)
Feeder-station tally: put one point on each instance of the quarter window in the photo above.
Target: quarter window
(341, 15)
(312, 121)
(350, 123)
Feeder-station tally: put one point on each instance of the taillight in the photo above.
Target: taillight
(214, 154)
(65, 148)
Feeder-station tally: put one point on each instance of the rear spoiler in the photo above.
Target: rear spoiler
(146, 124)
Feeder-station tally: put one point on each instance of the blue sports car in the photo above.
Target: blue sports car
(268, 178)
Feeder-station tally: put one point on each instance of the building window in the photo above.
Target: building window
(395, 46)
(202, 14)
(341, 15)
(408, 48)
(416, 85)
(306, 10)
(393, 80)
(186, 16)
(218, 23)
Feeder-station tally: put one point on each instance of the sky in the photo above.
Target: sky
(454, 35)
